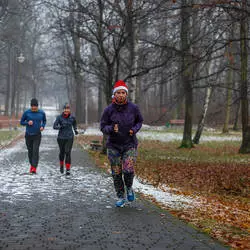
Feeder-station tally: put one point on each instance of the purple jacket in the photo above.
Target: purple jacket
(127, 116)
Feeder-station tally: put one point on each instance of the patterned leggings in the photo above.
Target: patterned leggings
(122, 167)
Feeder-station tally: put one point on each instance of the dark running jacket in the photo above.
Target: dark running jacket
(127, 116)
(65, 125)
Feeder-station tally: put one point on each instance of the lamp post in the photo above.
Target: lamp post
(15, 87)
(20, 60)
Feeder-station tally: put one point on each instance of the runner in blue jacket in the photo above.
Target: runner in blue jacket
(121, 120)
(35, 120)
(65, 123)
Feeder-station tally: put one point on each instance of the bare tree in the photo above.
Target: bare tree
(187, 74)
(245, 146)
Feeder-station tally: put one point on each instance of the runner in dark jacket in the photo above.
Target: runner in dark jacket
(35, 120)
(65, 123)
(121, 120)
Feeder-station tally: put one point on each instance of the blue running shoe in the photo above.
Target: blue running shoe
(120, 202)
(130, 194)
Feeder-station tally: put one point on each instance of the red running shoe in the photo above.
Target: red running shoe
(32, 170)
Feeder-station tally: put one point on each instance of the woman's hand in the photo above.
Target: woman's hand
(116, 128)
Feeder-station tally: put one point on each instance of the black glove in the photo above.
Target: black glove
(76, 132)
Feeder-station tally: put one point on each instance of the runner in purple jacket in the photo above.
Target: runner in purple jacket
(121, 120)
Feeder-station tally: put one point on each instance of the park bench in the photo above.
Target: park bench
(96, 145)
(176, 122)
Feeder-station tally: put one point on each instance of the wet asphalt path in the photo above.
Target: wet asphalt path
(51, 211)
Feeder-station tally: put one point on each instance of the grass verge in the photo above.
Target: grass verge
(7, 136)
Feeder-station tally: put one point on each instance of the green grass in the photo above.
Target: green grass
(8, 135)
(217, 152)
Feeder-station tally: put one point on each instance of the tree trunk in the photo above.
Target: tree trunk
(235, 80)
(187, 73)
(229, 82)
(68, 81)
(201, 123)
(8, 81)
(163, 95)
(34, 93)
(86, 104)
(109, 85)
(79, 113)
(133, 35)
(135, 62)
(17, 102)
(77, 66)
(235, 126)
(18, 89)
(237, 102)
(72, 87)
(187, 133)
(108, 93)
(117, 68)
(228, 101)
(245, 146)
(180, 107)
(14, 85)
(138, 92)
(25, 101)
(100, 107)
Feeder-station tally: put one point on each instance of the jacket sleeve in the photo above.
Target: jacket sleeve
(23, 120)
(138, 120)
(105, 125)
(44, 120)
(56, 124)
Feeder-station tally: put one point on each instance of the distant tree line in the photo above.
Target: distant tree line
(181, 59)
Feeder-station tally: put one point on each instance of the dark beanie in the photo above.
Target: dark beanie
(66, 105)
(34, 102)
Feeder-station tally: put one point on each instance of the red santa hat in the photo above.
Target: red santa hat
(120, 85)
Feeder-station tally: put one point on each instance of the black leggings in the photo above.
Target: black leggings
(33, 143)
(65, 146)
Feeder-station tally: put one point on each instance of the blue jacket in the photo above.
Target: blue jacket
(65, 125)
(38, 118)
(127, 116)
